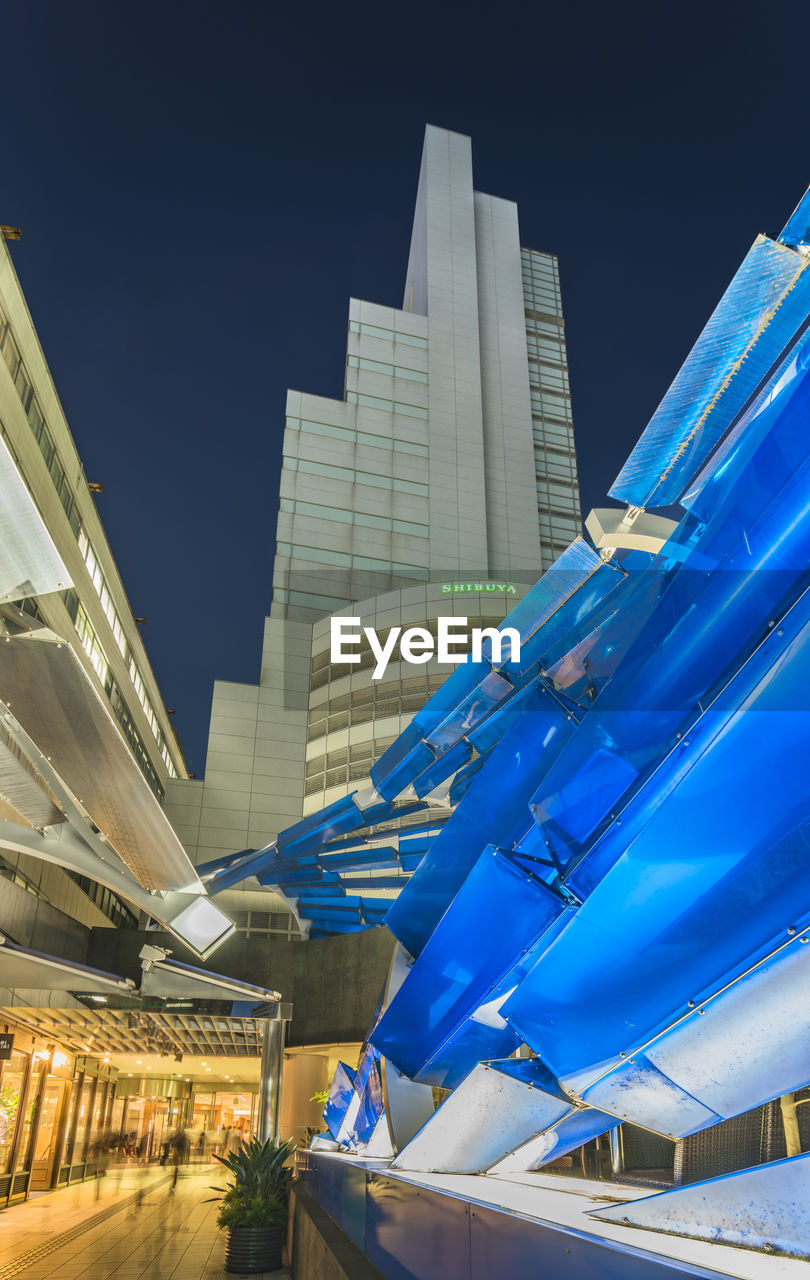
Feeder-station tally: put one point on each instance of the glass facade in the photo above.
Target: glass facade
(558, 508)
(54, 1110)
(9, 350)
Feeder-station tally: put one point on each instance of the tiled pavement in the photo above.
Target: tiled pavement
(135, 1229)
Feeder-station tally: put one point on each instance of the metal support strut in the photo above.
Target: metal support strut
(270, 1078)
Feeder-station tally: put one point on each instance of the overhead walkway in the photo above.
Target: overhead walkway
(137, 1228)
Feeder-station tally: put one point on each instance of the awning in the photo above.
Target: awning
(30, 565)
(32, 970)
(53, 699)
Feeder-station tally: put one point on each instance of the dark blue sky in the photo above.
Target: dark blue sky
(202, 187)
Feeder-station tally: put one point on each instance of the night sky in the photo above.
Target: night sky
(202, 187)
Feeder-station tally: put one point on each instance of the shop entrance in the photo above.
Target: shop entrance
(147, 1113)
(53, 1099)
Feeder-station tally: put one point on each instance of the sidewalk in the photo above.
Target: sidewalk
(136, 1230)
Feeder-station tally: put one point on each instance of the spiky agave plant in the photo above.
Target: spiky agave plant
(257, 1196)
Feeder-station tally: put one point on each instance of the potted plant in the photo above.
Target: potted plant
(253, 1207)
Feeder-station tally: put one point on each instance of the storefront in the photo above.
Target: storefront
(216, 1114)
(54, 1110)
(148, 1112)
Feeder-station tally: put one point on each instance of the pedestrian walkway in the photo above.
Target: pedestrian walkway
(135, 1228)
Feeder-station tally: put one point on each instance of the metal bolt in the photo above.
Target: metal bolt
(791, 931)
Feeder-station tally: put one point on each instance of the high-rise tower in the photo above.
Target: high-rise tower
(444, 481)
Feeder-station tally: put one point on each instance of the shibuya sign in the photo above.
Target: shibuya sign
(478, 588)
(453, 642)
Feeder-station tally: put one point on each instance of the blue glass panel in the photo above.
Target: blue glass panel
(592, 600)
(763, 307)
(410, 861)
(238, 870)
(371, 1105)
(497, 915)
(465, 778)
(332, 889)
(374, 910)
(580, 1127)
(470, 1044)
(704, 882)
(470, 695)
(583, 661)
(722, 472)
(442, 768)
(434, 823)
(530, 1071)
(326, 908)
(382, 856)
(489, 734)
(400, 762)
(327, 928)
(415, 844)
(390, 811)
(220, 864)
(377, 813)
(797, 228)
(295, 878)
(357, 883)
(565, 576)
(490, 690)
(494, 811)
(341, 1092)
(335, 820)
(750, 562)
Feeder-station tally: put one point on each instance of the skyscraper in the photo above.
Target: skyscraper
(443, 482)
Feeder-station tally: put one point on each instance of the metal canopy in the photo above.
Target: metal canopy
(106, 1030)
(52, 698)
(30, 565)
(162, 977)
(32, 970)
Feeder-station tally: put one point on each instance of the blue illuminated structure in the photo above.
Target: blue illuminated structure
(623, 885)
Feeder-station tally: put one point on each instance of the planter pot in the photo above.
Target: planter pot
(253, 1249)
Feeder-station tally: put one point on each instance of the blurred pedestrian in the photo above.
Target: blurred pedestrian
(177, 1153)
